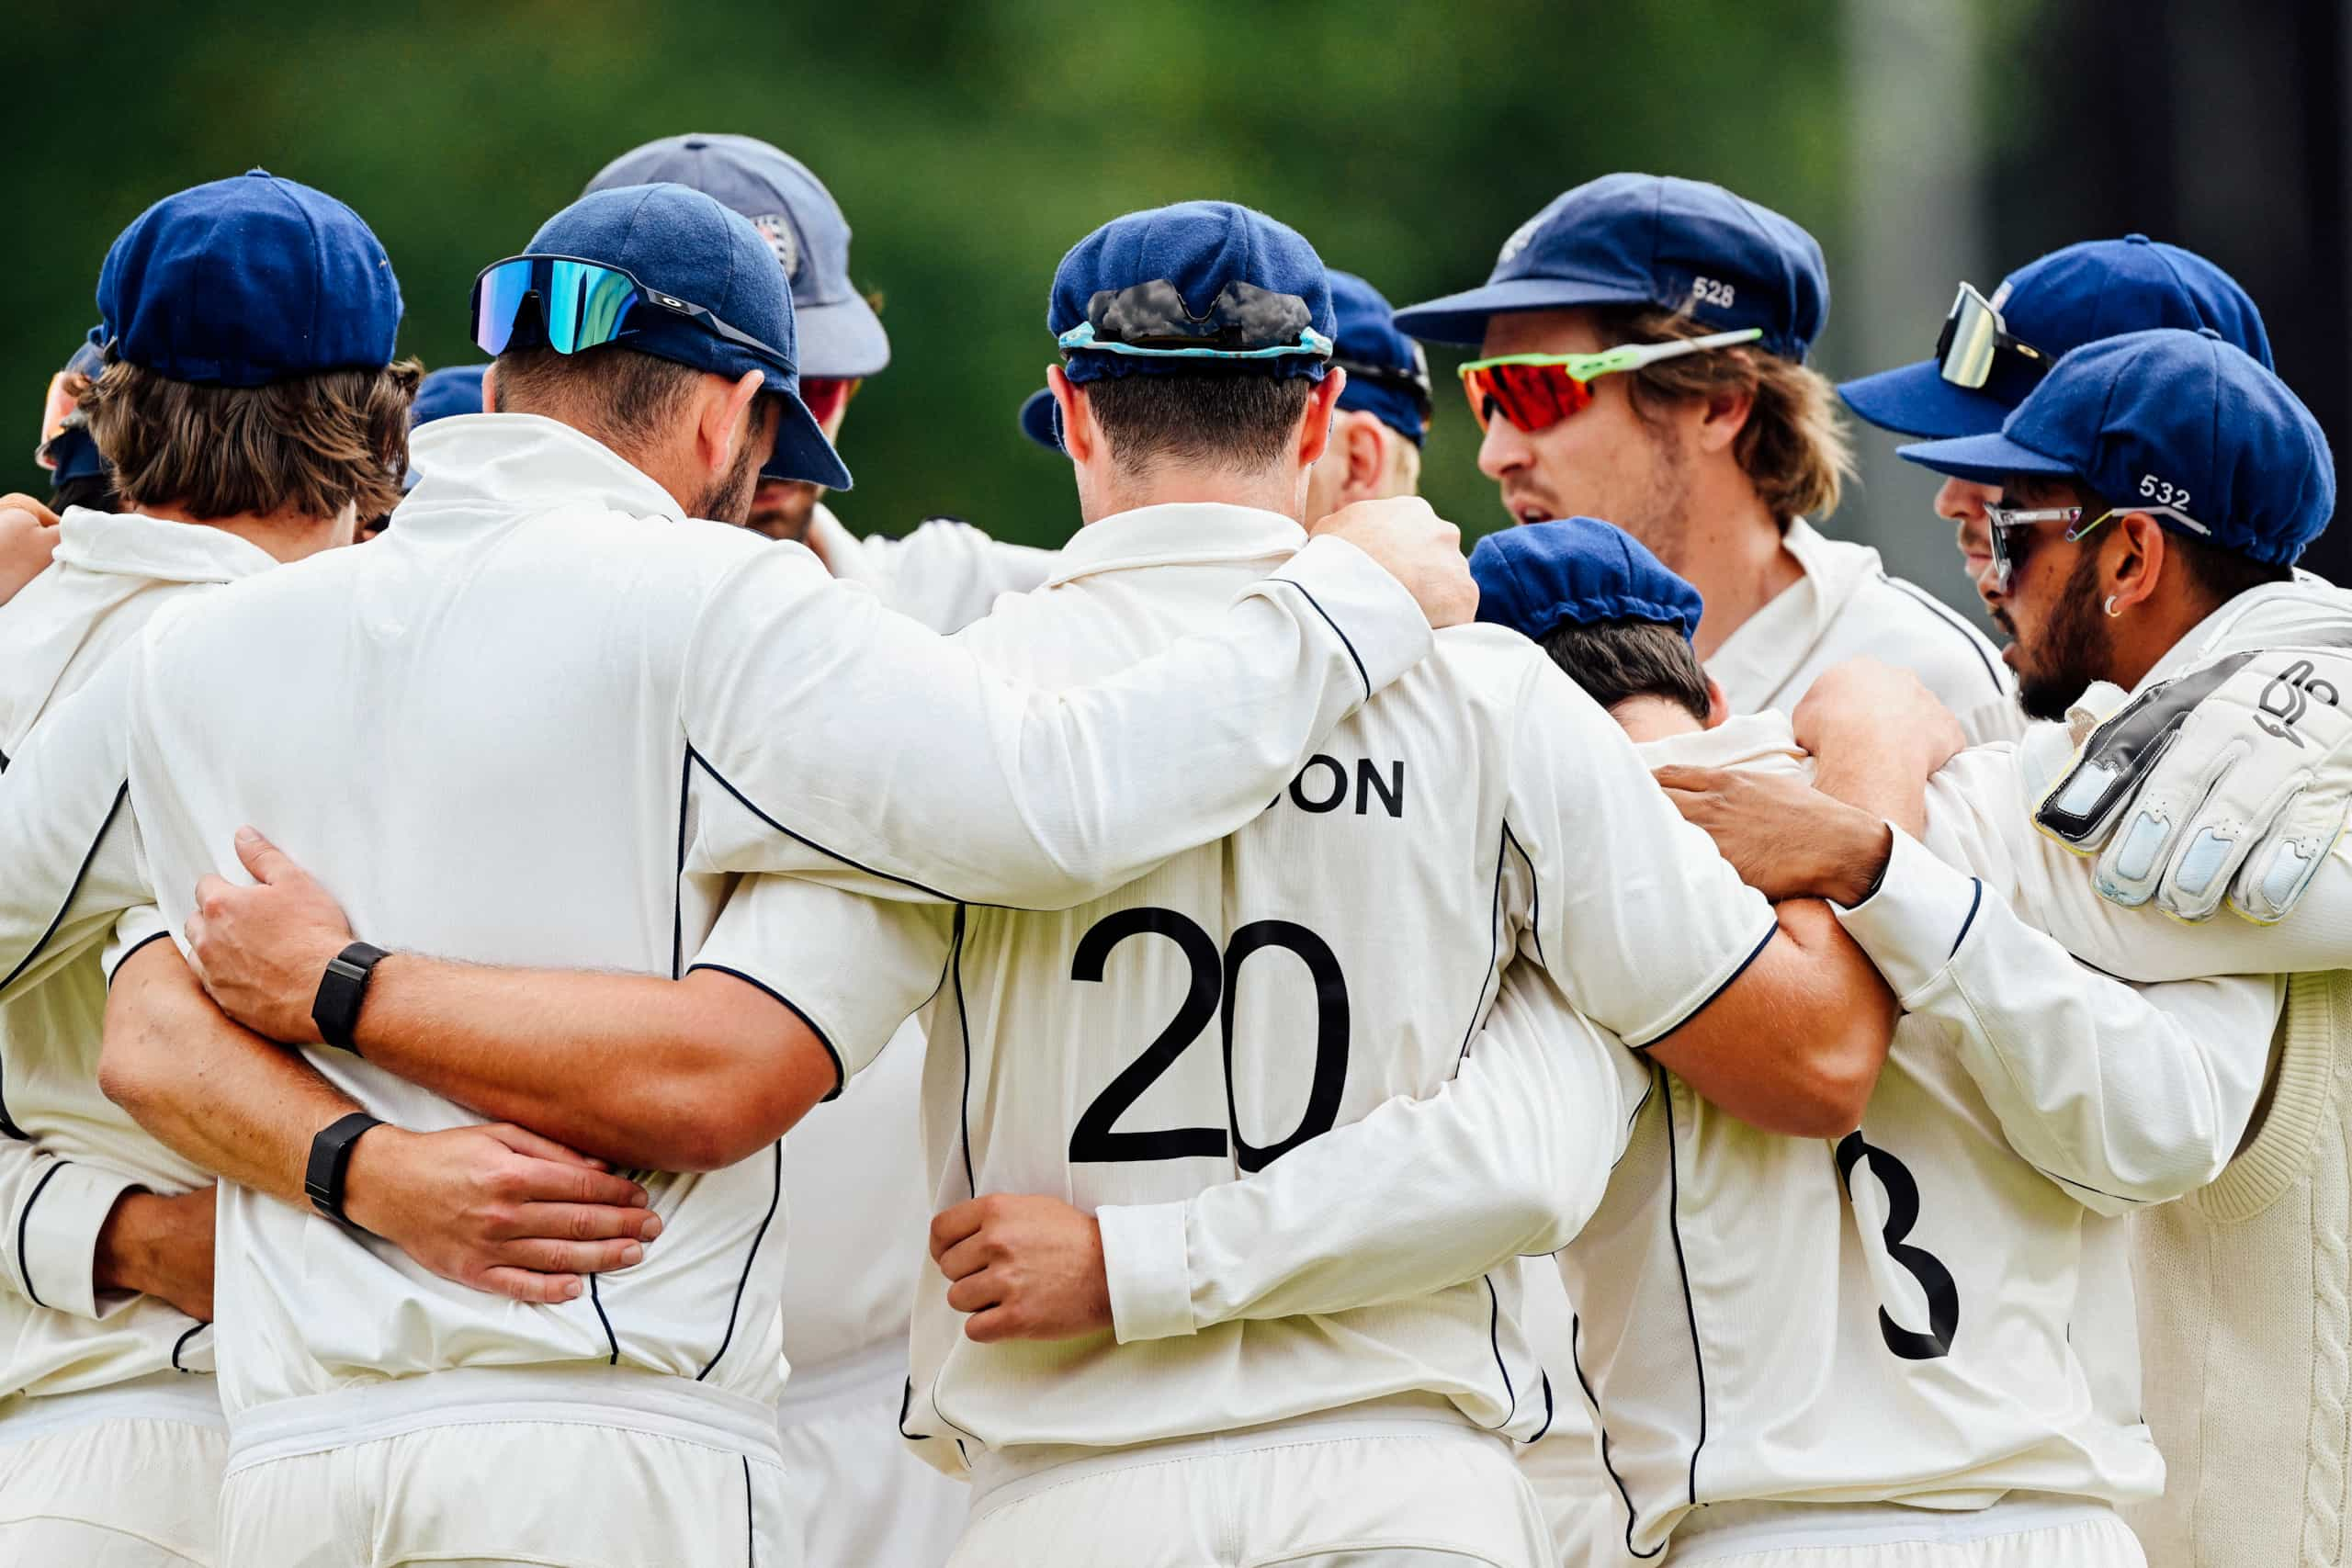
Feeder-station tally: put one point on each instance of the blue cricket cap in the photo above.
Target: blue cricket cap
(2057, 303)
(452, 390)
(1380, 362)
(247, 281)
(841, 337)
(1535, 577)
(683, 243)
(1389, 376)
(2182, 424)
(1649, 239)
(1201, 247)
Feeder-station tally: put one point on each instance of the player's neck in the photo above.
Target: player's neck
(1282, 491)
(282, 536)
(1733, 553)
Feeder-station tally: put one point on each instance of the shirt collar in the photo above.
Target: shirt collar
(155, 550)
(522, 461)
(1744, 740)
(1179, 533)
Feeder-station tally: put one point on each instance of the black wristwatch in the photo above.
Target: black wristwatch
(329, 1158)
(342, 989)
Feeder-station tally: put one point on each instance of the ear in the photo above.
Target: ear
(1723, 415)
(1081, 437)
(2134, 560)
(1363, 449)
(1718, 706)
(719, 423)
(1315, 429)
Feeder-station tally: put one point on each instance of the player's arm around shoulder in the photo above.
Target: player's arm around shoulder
(1652, 933)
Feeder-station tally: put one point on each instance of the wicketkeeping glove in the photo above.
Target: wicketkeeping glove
(2233, 778)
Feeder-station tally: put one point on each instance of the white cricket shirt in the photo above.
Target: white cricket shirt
(1926, 1310)
(1226, 1010)
(69, 1153)
(946, 574)
(1847, 607)
(579, 715)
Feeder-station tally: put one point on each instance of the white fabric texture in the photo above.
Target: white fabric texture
(128, 1492)
(946, 574)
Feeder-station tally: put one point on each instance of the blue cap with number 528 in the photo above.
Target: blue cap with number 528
(1649, 239)
(2182, 425)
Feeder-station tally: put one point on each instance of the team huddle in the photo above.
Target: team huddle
(1653, 1043)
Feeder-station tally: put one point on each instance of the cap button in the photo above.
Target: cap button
(695, 143)
(2207, 331)
(257, 173)
(2137, 240)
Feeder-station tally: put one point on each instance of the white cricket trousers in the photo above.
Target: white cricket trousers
(121, 1477)
(1385, 1492)
(2023, 1530)
(862, 1497)
(517, 1469)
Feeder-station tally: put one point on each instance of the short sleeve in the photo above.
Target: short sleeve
(1633, 912)
(853, 968)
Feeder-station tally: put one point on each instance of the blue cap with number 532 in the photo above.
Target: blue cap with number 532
(1649, 239)
(2182, 425)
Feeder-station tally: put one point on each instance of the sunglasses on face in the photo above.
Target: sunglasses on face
(2002, 521)
(1536, 391)
(825, 395)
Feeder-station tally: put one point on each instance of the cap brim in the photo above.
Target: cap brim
(1916, 399)
(1985, 459)
(1039, 423)
(801, 450)
(840, 341)
(1462, 318)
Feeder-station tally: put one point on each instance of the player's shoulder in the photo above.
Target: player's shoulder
(1905, 624)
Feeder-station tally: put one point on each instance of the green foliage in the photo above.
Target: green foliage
(971, 144)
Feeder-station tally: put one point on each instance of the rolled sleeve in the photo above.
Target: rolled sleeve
(1144, 1257)
(1914, 923)
(57, 1235)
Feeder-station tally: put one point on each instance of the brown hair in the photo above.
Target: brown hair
(1238, 419)
(308, 444)
(1616, 660)
(1794, 448)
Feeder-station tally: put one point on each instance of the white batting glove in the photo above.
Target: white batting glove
(2233, 779)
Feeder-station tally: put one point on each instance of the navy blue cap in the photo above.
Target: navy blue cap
(1368, 338)
(246, 281)
(1367, 335)
(841, 337)
(684, 244)
(2180, 423)
(2057, 303)
(1649, 239)
(1199, 247)
(452, 390)
(1534, 577)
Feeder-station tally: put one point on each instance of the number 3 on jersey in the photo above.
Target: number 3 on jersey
(1935, 1279)
(1216, 978)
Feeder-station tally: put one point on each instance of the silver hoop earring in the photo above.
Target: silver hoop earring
(2112, 612)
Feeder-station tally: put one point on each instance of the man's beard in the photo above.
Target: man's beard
(2074, 650)
(785, 511)
(730, 500)
(1660, 518)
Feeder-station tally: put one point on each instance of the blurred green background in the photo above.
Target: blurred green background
(972, 144)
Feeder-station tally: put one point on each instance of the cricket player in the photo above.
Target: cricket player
(248, 395)
(78, 478)
(1932, 1310)
(945, 574)
(1193, 403)
(642, 704)
(1641, 346)
(1992, 352)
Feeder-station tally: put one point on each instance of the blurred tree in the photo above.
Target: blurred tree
(970, 145)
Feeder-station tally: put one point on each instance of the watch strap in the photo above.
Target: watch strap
(331, 1159)
(342, 991)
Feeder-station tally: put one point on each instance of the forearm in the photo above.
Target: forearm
(648, 1073)
(213, 1092)
(1507, 1158)
(2124, 1096)
(1878, 782)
